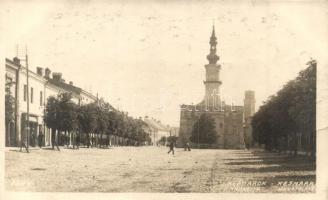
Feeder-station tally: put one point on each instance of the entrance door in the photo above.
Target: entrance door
(33, 134)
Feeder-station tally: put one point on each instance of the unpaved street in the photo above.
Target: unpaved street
(151, 169)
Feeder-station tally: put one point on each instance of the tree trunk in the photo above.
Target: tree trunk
(57, 134)
(313, 144)
(295, 144)
(54, 139)
(101, 137)
(88, 140)
(53, 136)
(73, 139)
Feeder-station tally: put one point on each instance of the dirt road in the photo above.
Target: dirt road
(151, 169)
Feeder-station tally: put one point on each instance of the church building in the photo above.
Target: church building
(229, 119)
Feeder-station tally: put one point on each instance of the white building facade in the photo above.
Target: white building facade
(41, 87)
(156, 130)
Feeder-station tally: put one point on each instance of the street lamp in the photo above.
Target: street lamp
(198, 132)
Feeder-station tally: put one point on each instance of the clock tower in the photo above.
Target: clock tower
(212, 82)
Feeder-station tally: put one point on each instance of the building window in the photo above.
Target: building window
(41, 98)
(25, 92)
(31, 95)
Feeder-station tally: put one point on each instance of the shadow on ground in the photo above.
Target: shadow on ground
(297, 169)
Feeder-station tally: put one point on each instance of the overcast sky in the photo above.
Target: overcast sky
(148, 58)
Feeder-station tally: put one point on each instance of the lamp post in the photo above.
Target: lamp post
(198, 132)
(198, 118)
(28, 105)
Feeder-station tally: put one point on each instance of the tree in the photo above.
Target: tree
(141, 135)
(102, 119)
(67, 112)
(172, 139)
(204, 130)
(9, 111)
(303, 110)
(289, 115)
(112, 124)
(162, 141)
(87, 120)
(51, 118)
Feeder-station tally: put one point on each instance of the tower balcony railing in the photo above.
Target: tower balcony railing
(202, 108)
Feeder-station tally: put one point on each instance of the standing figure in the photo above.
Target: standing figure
(188, 146)
(40, 138)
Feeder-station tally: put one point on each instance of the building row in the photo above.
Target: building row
(42, 84)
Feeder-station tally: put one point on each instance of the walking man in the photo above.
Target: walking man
(171, 147)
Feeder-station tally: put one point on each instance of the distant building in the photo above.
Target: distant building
(249, 104)
(174, 131)
(249, 110)
(41, 86)
(229, 119)
(156, 130)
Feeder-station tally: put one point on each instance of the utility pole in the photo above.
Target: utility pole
(27, 102)
(198, 131)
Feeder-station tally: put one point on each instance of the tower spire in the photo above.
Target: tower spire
(212, 57)
(212, 83)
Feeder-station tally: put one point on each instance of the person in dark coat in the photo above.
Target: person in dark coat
(40, 139)
(171, 147)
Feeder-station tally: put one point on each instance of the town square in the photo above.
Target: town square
(150, 169)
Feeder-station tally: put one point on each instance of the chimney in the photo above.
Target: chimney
(47, 73)
(39, 71)
(71, 82)
(57, 76)
(16, 60)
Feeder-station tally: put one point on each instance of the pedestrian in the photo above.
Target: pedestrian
(188, 146)
(40, 138)
(33, 138)
(171, 147)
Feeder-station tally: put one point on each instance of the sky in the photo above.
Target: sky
(147, 58)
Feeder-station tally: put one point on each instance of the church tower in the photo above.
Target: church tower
(212, 82)
(249, 104)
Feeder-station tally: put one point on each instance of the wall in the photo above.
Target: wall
(228, 125)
